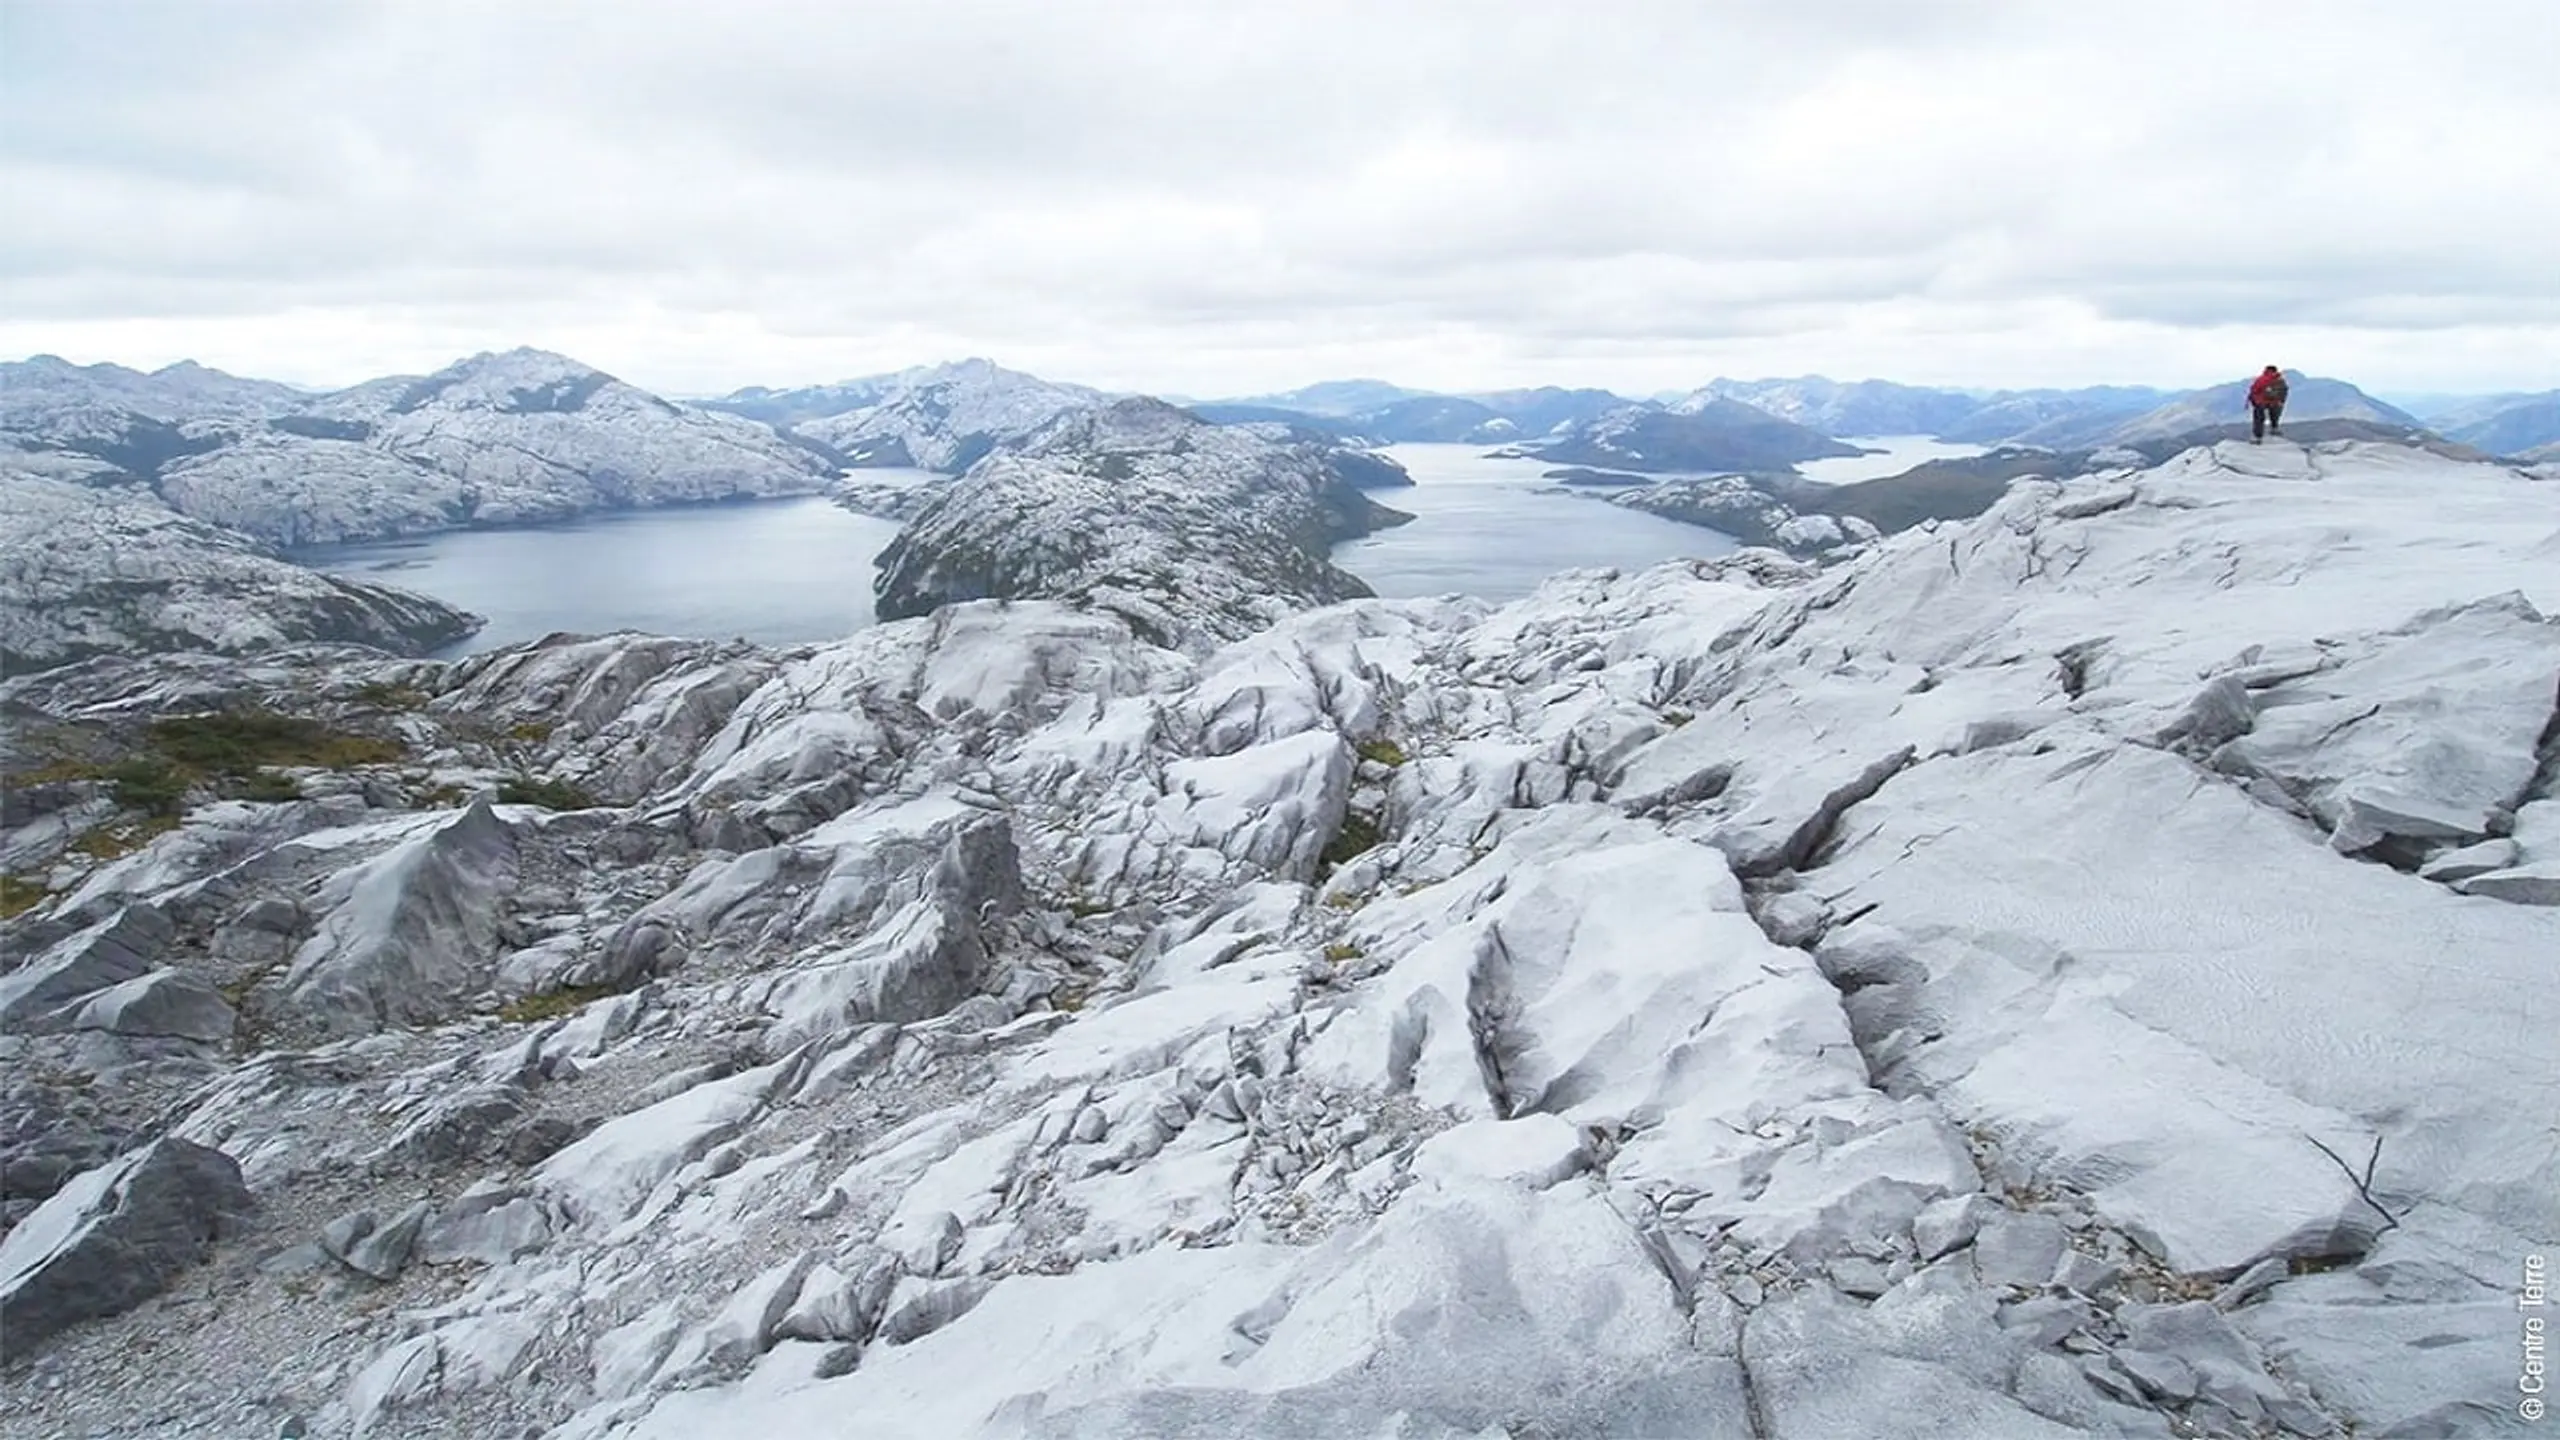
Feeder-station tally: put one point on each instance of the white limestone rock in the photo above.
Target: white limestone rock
(409, 936)
(88, 572)
(164, 1004)
(945, 417)
(1189, 531)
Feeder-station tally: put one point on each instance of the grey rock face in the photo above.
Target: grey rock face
(1943, 1225)
(2469, 861)
(115, 1236)
(1185, 529)
(92, 572)
(2015, 1249)
(166, 1004)
(384, 1250)
(410, 934)
(44, 993)
(2421, 738)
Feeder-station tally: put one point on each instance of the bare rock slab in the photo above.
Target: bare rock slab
(115, 1236)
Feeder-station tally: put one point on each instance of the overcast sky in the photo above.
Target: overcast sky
(1222, 196)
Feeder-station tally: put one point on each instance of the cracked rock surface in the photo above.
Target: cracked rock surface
(1730, 999)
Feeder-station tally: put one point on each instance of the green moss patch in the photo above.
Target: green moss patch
(1359, 834)
(1381, 751)
(383, 695)
(549, 794)
(236, 742)
(18, 895)
(114, 841)
(551, 1005)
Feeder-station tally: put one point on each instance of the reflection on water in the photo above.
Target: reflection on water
(1493, 529)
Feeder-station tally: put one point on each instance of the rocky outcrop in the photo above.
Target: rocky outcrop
(115, 1236)
(410, 935)
(96, 572)
(945, 417)
(1745, 510)
(1714, 435)
(1186, 529)
(1953, 991)
(495, 439)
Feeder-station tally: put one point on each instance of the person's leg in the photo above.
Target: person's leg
(2257, 422)
(2275, 417)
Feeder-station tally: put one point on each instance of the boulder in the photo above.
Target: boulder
(2016, 1249)
(115, 1236)
(836, 1306)
(1942, 1225)
(492, 1222)
(384, 1251)
(411, 936)
(41, 994)
(165, 1004)
(2465, 861)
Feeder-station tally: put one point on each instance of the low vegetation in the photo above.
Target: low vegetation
(1382, 752)
(18, 895)
(117, 839)
(549, 794)
(238, 742)
(383, 695)
(1359, 834)
(552, 1004)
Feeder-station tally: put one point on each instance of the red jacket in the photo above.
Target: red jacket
(2268, 390)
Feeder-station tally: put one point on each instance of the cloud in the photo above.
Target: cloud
(1197, 198)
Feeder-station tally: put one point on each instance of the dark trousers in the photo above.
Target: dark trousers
(2263, 418)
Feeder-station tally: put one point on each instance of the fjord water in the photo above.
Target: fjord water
(779, 572)
(785, 572)
(1493, 528)
(1885, 455)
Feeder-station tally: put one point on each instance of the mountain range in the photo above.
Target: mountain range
(527, 436)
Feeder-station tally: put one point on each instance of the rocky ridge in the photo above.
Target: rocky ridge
(945, 417)
(1716, 435)
(494, 439)
(1993, 986)
(1185, 529)
(94, 571)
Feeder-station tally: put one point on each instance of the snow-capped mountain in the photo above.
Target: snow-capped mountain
(1715, 435)
(1549, 409)
(787, 407)
(1998, 986)
(87, 570)
(1185, 529)
(946, 417)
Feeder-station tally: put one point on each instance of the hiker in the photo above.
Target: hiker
(2266, 404)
